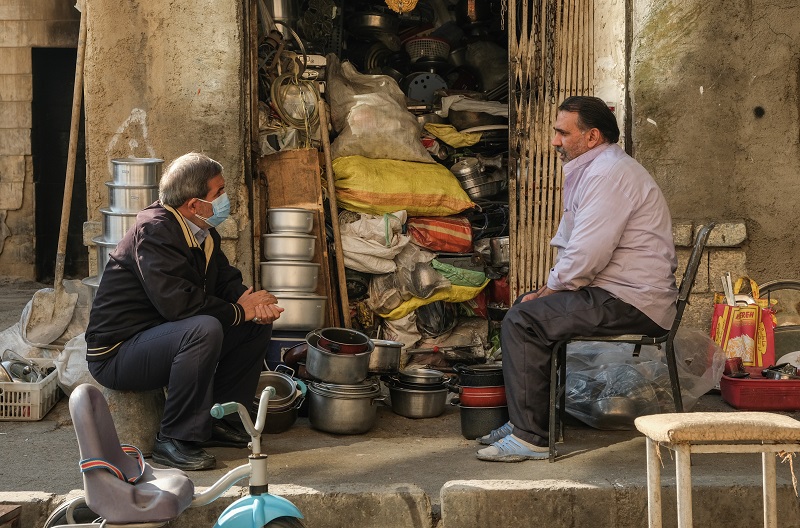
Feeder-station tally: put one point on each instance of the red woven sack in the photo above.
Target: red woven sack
(450, 234)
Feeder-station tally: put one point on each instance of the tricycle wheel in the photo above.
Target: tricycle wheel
(285, 522)
(72, 512)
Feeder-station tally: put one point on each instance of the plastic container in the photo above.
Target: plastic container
(758, 393)
(29, 401)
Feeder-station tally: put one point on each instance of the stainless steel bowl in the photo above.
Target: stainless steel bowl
(136, 171)
(104, 249)
(301, 311)
(288, 246)
(130, 198)
(290, 220)
(115, 225)
(289, 276)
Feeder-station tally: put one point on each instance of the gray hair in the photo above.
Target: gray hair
(187, 177)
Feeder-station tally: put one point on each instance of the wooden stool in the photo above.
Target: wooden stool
(733, 432)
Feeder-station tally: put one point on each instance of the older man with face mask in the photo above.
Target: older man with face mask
(172, 312)
(614, 274)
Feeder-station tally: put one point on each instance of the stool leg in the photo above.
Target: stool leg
(653, 485)
(769, 490)
(683, 482)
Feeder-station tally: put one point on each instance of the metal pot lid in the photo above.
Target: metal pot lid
(478, 369)
(421, 376)
(365, 389)
(466, 166)
(136, 161)
(426, 387)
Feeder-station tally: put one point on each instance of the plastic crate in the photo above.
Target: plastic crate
(29, 401)
(758, 393)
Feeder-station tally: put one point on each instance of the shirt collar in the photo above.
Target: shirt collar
(585, 158)
(199, 233)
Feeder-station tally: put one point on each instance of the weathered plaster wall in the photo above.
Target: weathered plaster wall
(24, 24)
(716, 117)
(609, 56)
(163, 79)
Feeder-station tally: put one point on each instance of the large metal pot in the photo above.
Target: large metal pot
(342, 341)
(479, 375)
(290, 220)
(104, 249)
(413, 403)
(483, 396)
(288, 246)
(385, 358)
(287, 276)
(115, 225)
(343, 408)
(421, 376)
(480, 421)
(93, 283)
(129, 198)
(136, 171)
(301, 311)
(343, 369)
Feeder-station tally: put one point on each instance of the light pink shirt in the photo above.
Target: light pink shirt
(616, 233)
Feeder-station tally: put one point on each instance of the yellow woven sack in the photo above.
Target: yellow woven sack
(453, 294)
(379, 186)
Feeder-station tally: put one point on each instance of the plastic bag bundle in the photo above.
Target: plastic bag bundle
(369, 113)
(607, 388)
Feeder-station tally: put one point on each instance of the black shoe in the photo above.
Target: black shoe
(187, 456)
(224, 434)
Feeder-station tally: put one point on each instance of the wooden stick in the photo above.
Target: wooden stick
(337, 235)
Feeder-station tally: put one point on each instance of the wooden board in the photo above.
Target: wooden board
(291, 178)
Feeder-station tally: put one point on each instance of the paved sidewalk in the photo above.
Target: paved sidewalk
(420, 473)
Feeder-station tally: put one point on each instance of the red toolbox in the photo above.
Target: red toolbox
(758, 393)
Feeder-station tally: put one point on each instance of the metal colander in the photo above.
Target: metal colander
(427, 47)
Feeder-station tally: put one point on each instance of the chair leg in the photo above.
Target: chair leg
(683, 481)
(653, 484)
(555, 387)
(672, 366)
(769, 490)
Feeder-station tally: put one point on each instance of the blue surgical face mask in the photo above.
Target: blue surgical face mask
(221, 207)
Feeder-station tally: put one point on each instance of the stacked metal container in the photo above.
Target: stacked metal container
(288, 272)
(133, 187)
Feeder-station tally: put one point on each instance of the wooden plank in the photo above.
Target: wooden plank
(291, 178)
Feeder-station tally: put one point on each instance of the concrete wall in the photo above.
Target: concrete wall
(24, 24)
(716, 113)
(163, 79)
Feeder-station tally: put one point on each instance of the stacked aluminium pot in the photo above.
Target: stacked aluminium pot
(343, 398)
(481, 399)
(133, 187)
(288, 272)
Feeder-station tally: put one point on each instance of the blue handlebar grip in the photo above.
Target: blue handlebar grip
(220, 410)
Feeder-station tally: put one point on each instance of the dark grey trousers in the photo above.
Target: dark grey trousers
(529, 333)
(198, 363)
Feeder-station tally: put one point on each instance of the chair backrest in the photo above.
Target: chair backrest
(691, 272)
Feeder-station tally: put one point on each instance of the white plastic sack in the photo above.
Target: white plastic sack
(369, 113)
(371, 243)
(607, 387)
(71, 365)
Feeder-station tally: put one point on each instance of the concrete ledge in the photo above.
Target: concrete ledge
(481, 503)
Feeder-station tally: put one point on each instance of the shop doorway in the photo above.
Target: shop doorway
(53, 77)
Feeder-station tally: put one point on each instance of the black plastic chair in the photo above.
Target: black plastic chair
(558, 364)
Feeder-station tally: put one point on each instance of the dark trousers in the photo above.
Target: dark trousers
(529, 333)
(198, 363)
